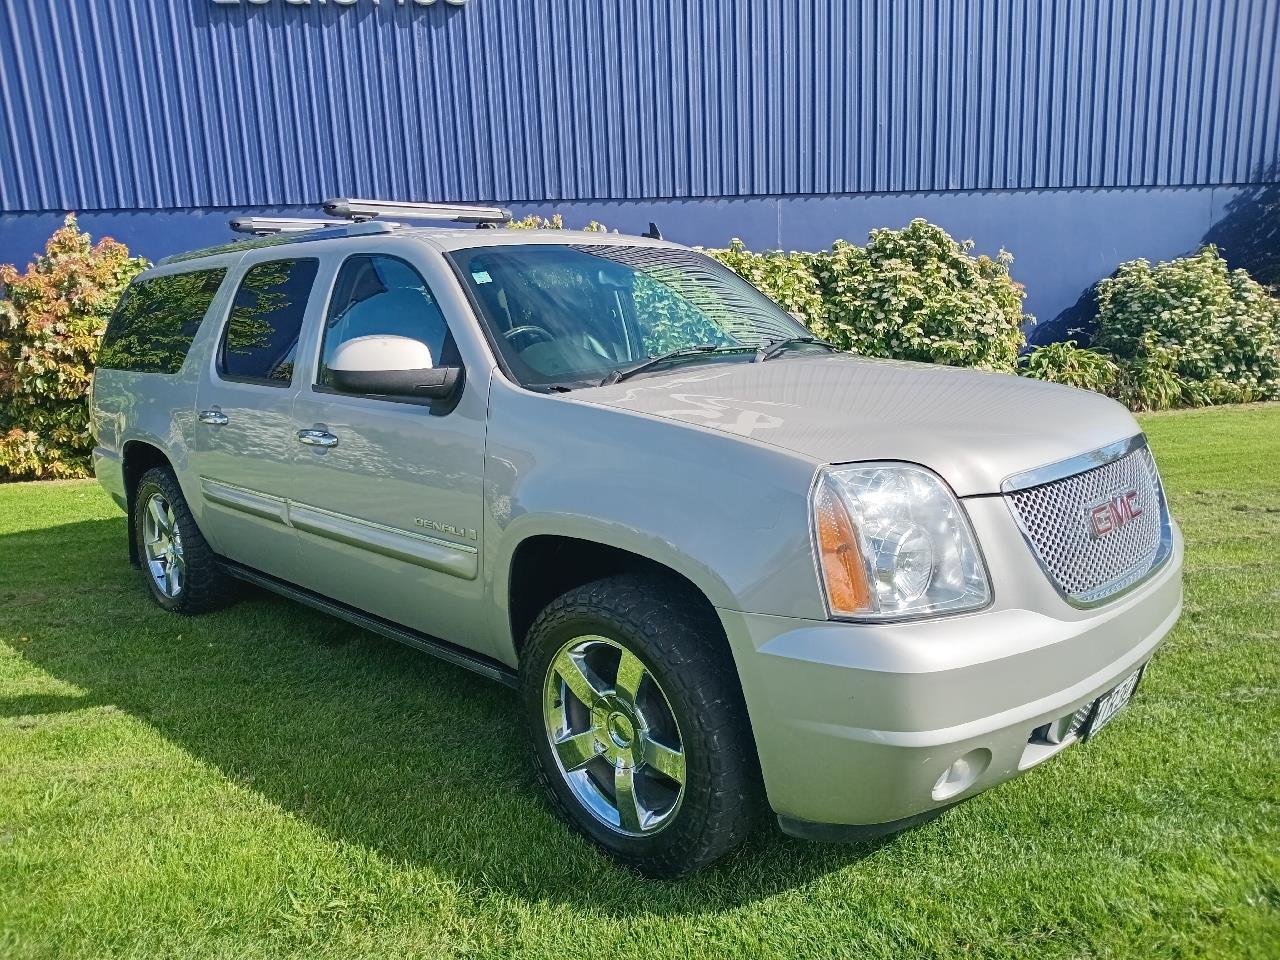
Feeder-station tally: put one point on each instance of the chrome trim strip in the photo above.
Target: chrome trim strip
(262, 505)
(455, 559)
(1061, 469)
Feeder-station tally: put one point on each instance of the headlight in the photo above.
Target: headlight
(893, 542)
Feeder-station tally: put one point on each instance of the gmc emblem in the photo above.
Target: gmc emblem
(1110, 515)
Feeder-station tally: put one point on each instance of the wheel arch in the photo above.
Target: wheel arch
(137, 457)
(544, 565)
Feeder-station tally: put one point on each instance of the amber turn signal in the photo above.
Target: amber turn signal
(843, 567)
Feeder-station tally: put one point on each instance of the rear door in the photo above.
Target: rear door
(244, 435)
(389, 514)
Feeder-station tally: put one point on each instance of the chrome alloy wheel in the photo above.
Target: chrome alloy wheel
(614, 736)
(163, 545)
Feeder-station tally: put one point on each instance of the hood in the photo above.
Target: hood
(972, 427)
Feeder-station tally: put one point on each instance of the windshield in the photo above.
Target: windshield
(572, 314)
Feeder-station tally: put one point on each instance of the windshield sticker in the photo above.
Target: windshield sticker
(481, 276)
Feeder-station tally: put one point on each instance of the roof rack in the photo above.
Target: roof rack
(266, 226)
(456, 212)
(325, 231)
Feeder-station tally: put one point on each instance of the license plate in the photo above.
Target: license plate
(1109, 704)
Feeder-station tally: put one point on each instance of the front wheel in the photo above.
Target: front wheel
(639, 726)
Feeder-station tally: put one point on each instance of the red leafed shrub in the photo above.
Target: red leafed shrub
(51, 322)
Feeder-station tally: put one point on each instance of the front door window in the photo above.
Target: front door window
(382, 295)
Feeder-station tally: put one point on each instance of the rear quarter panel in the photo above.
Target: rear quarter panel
(155, 408)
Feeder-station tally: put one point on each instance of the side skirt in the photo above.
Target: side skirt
(419, 641)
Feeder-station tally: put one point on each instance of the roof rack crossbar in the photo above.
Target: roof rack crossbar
(455, 212)
(266, 226)
(327, 230)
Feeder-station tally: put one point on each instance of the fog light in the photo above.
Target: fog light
(960, 776)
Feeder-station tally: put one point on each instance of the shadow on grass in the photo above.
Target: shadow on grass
(371, 743)
(40, 705)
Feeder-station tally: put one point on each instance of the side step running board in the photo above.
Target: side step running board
(412, 638)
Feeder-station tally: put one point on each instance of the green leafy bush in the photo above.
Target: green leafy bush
(909, 294)
(1150, 382)
(554, 222)
(1146, 384)
(918, 294)
(787, 278)
(1193, 322)
(1074, 366)
(51, 322)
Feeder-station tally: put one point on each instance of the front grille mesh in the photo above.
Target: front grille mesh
(1055, 519)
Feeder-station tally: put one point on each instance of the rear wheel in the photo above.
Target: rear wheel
(181, 569)
(639, 728)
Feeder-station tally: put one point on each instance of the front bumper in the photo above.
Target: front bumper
(855, 724)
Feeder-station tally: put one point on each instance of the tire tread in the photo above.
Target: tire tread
(679, 632)
(207, 586)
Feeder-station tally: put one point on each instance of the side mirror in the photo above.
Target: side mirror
(391, 367)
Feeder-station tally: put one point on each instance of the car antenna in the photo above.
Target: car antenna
(653, 233)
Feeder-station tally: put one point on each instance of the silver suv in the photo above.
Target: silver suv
(727, 567)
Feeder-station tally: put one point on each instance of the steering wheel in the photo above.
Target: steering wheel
(530, 329)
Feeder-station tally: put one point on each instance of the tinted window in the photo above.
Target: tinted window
(384, 295)
(152, 329)
(261, 336)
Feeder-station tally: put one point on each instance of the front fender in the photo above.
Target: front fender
(729, 514)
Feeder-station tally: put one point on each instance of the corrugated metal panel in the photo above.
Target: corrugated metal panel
(154, 104)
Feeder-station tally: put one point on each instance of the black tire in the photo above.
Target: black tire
(682, 647)
(203, 586)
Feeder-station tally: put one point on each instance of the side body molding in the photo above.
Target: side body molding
(456, 559)
(256, 504)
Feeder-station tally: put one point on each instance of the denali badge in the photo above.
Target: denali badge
(1112, 514)
(465, 533)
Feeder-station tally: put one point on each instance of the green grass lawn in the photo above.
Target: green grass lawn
(267, 782)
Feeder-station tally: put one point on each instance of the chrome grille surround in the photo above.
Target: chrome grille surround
(1052, 504)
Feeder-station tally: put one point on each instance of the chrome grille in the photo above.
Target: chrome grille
(1087, 568)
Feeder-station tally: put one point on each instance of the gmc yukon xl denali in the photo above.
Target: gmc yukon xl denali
(728, 568)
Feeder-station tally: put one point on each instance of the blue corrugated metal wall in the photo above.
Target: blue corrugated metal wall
(187, 104)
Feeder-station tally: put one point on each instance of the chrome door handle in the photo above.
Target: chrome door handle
(215, 417)
(317, 438)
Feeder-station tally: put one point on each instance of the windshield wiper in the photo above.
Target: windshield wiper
(623, 373)
(774, 348)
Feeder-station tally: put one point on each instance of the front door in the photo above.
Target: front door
(244, 435)
(387, 498)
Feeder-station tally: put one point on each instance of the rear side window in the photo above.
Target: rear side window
(152, 329)
(260, 339)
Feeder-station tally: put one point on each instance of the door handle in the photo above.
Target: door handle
(215, 417)
(317, 438)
